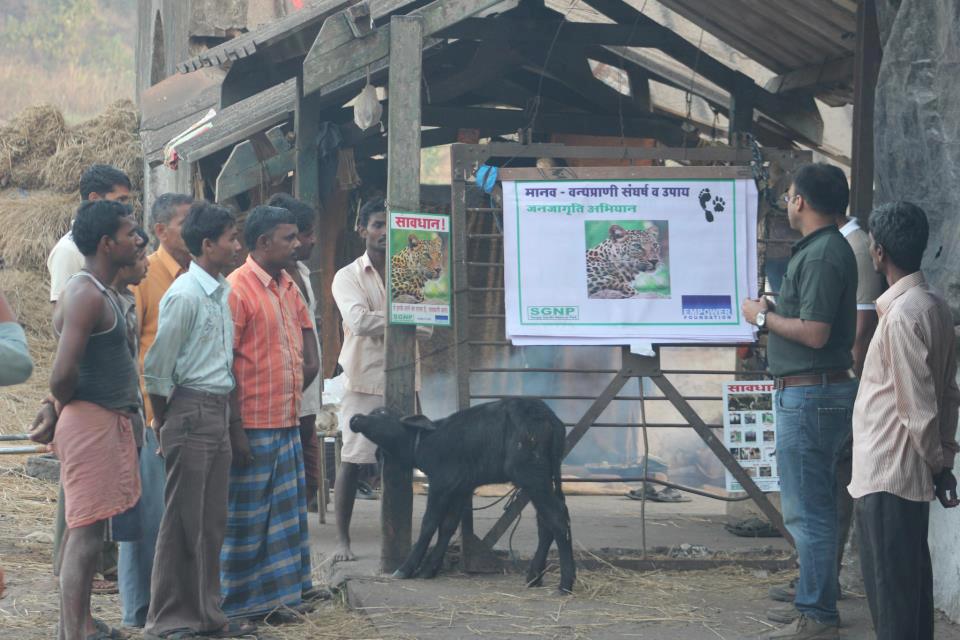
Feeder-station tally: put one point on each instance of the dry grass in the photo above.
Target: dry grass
(109, 138)
(27, 292)
(39, 151)
(27, 142)
(79, 92)
(32, 223)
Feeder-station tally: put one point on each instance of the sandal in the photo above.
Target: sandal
(178, 634)
(233, 629)
(668, 494)
(316, 594)
(104, 587)
(753, 528)
(110, 632)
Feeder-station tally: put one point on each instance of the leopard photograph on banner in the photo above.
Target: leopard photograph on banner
(628, 261)
(418, 269)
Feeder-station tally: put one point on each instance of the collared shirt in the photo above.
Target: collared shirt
(905, 417)
(63, 262)
(310, 406)
(161, 272)
(820, 285)
(269, 318)
(362, 299)
(194, 342)
(17, 365)
(870, 284)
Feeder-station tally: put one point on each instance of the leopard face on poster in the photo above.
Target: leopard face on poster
(625, 261)
(418, 270)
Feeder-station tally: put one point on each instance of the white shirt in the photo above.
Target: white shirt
(311, 403)
(64, 261)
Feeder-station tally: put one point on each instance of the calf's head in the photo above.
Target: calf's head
(397, 437)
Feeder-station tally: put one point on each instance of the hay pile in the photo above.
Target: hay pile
(41, 160)
(27, 143)
(39, 151)
(110, 138)
(32, 222)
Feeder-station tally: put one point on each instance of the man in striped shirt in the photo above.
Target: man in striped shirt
(265, 563)
(904, 429)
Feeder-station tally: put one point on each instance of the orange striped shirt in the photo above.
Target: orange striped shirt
(268, 318)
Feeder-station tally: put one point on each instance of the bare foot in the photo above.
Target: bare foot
(343, 554)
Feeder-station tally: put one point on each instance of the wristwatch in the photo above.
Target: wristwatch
(761, 319)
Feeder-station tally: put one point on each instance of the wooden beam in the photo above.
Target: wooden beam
(867, 57)
(244, 170)
(800, 118)
(403, 193)
(506, 29)
(815, 77)
(336, 54)
(583, 123)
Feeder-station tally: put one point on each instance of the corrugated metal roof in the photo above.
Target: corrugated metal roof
(782, 35)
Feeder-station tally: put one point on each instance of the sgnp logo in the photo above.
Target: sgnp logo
(550, 313)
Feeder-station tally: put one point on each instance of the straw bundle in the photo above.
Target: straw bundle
(32, 223)
(110, 138)
(27, 142)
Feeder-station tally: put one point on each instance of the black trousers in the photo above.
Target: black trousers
(895, 560)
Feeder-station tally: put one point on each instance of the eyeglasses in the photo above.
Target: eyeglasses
(787, 198)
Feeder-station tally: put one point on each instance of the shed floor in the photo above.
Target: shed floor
(608, 601)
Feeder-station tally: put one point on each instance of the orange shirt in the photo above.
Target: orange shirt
(161, 273)
(269, 319)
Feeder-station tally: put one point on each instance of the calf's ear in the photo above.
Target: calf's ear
(419, 422)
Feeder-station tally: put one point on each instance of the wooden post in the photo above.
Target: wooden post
(403, 193)
(306, 180)
(742, 101)
(866, 68)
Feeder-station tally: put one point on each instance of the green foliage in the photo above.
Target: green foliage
(73, 33)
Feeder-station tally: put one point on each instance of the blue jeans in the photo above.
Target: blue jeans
(136, 558)
(812, 424)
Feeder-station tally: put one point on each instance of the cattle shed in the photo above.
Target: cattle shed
(507, 82)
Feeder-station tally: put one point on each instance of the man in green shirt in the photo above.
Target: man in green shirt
(812, 329)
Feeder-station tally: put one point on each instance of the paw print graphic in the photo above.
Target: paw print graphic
(704, 197)
(719, 204)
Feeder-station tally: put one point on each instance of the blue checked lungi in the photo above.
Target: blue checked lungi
(265, 561)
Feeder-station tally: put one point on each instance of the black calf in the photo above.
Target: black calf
(516, 440)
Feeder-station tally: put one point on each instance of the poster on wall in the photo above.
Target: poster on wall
(418, 270)
(625, 261)
(750, 432)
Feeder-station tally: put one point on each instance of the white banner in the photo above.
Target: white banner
(628, 261)
(750, 432)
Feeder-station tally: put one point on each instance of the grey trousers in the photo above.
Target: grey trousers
(895, 559)
(185, 585)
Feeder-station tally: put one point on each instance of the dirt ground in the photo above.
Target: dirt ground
(609, 602)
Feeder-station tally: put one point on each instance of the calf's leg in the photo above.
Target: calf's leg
(437, 505)
(451, 519)
(553, 510)
(539, 562)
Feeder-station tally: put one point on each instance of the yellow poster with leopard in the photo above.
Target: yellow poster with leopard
(638, 261)
(418, 272)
